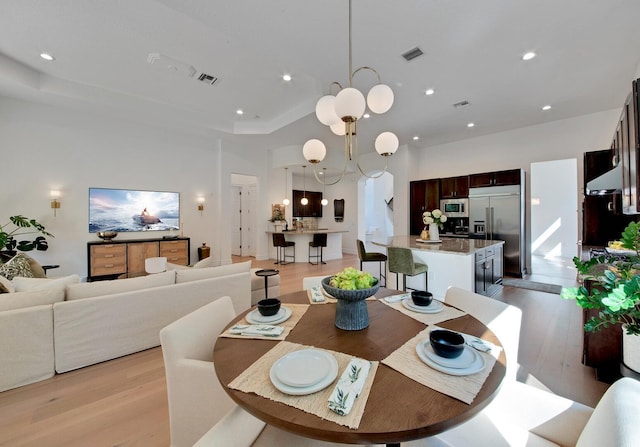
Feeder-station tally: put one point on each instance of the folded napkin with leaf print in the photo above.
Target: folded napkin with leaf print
(316, 294)
(262, 330)
(349, 386)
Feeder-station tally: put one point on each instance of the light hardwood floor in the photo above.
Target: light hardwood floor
(123, 402)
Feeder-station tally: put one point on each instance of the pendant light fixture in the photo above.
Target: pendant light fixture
(304, 200)
(342, 112)
(324, 201)
(285, 201)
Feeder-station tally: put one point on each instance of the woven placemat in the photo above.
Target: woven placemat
(465, 388)
(448, 313)
(256, 380)
(297, 311)
(328, 298)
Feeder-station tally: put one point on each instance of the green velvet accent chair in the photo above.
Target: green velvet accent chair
(380, 258)
(401, 262)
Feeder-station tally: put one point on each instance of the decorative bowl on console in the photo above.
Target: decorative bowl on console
(107, 236)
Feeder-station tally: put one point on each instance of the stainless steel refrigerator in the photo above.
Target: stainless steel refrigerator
(497, 213)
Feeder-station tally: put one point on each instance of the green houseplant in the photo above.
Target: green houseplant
(617, 292)
(21, 226)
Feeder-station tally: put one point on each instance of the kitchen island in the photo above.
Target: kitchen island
(333, 250)
(471, 264)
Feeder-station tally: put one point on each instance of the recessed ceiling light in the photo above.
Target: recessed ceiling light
(547, 107)
(429, 92)
(471, 124)
(47, 57)
(239, 112)
(286, 77)
(366, 115)
(416, 138)
(528, 56)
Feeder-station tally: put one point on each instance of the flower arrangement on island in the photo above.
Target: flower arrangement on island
(436, 216)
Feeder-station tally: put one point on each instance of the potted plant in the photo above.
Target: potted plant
(616, 293)
(20, 226)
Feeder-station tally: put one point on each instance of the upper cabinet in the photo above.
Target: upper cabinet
(311, 209)
(626, 137)
(424, 195)
(498, 178)
(454, 187)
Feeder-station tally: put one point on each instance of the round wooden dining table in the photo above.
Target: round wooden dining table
(398, 408)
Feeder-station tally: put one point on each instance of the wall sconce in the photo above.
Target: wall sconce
(55, 203)
(200, 204)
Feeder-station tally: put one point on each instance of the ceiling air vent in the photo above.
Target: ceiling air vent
(412, 54)
(207, 79)
(461, 104)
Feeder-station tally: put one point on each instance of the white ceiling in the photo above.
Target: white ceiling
(588, 53)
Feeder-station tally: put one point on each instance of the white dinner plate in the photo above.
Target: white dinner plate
(477, 365)
(464, 360)
(255, 317)
(302, 368)
(428, 241)
(321, 384)
(433, 308)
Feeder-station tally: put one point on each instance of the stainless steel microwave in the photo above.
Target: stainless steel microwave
(455, 207)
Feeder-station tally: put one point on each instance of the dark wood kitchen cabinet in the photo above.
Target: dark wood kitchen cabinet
(423, 195)
(497, 178)
(626, 136)
(454, 187)
(311, 209)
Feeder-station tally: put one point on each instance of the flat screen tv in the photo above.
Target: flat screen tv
(124, 210)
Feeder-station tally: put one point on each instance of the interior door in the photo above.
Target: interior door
(236, 221)
(249, 221)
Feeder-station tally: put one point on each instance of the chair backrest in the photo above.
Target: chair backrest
(361, 250)
(196, 399)
(320, 239)
(278, 240)
(503, 319)
(401, 260)
(155, 265)
(312, 281)
(237, 429)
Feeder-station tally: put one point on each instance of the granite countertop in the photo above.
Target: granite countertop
(319, 230)
(460, 246)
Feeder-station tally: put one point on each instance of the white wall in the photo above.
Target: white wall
(48, 148)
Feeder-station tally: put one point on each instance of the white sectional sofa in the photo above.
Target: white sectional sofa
(57, 325)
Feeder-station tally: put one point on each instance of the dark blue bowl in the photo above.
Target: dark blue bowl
(446, 343)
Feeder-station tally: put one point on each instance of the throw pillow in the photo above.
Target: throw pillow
(36, 268)
(206, 262)
(5, 285)
(101, 288)
(17, 266)
(57, 285)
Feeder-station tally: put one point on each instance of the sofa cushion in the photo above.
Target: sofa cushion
(19, 300)
(615, 419)
(171, 266)
(101, 288)
(206, 262)
(5, 285)
(21, 284)
(211, 272)
(19, 265)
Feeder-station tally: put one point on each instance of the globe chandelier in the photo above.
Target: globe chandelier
(342, 112)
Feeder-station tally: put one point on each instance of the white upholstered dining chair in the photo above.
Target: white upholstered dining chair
(196, 399)
(155, 265)
(312, 281)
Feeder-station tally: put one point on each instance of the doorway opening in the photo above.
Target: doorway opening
(375, 215)
(554, 221)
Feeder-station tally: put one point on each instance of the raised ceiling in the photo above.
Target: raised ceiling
(141, 59)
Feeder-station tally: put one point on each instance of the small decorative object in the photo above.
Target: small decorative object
(107, 236)
(204, 251)
(351, 288)
(277, 213)
(425, 234)
(617, 295)
(435, 219)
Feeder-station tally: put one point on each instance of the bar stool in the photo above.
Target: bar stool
(319, 241)
(401, 263)
(373, 257)
(281, 244)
